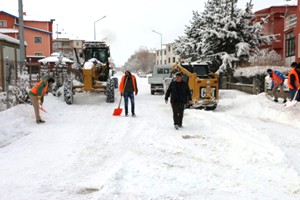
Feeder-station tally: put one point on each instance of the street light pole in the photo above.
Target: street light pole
(161, 60)
(95, 26)
(21, 36)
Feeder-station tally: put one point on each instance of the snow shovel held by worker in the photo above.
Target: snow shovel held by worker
(118, 111)
(292, 103)
(42, 109)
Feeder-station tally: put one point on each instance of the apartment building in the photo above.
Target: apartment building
(66, 47)
(166, 55)
(283, 20)
(37, 33)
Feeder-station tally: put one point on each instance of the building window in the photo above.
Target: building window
(169, 60)
(38, 40)
(38, 54)
(3, 23)
(290, 44)
(165, 52)
(169, 48)
(174, 59)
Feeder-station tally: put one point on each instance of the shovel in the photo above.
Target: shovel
(42, 109)
(118, 111)
(293, 102)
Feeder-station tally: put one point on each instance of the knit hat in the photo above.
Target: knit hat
(294, 64)
(178, 74)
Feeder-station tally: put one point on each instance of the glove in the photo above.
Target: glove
(39, 97)
(121, 93)
(136, 92)
(166, 100)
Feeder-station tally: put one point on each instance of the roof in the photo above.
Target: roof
(8, 30)
(35, 29)
(9, 39)
(8, 14)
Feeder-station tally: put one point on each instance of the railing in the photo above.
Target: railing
(290, 22)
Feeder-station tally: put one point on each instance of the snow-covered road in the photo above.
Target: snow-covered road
(246, 149)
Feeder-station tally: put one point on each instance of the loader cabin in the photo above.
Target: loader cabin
(98, 50)
(201, 69)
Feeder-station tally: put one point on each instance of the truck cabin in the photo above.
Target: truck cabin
(101, 54)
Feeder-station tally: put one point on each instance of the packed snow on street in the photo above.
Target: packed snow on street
(247, 148)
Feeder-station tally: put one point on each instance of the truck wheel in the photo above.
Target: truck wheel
(68, 90)
(110, 91)
(152, 92)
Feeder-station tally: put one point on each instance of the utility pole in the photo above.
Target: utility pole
(161, 52)
(21, 36)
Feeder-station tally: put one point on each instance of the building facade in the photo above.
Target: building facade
(66, 47)
(282, 21)
(37, 33)
(166, 56)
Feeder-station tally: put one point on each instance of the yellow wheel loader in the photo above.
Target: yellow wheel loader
(204, 85)
(96, 74)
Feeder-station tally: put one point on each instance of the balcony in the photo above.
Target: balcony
(290, 22)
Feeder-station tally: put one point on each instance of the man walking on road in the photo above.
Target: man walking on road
(180, 95)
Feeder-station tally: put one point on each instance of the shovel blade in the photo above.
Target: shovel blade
(117, 112)
(290, 104)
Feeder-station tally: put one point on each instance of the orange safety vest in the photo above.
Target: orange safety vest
(276, 79)
(297, 83)
(122, 83)
(35, 88)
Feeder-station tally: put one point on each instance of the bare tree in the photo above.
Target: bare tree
(143, 59)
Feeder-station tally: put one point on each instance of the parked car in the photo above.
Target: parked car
(142, 74)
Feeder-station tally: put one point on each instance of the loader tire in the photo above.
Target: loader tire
(68, 91)
(116, 82)
(110, 91)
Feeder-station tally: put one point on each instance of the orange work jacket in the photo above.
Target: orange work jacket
(38, 90)
(122, 83)
(297, 83)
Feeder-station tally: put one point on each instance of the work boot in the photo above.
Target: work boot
(284, 101)
(40, 121)
(133, 115)
(176, 126)
(275, 100)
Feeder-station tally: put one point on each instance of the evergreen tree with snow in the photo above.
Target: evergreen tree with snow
(222, 33)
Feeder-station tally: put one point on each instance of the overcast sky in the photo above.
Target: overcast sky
(128, 24)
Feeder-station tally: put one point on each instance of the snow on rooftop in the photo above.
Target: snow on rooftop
(8, 30)
(9, 39)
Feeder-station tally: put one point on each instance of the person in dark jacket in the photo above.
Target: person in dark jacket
(180, 95)
(127, 88)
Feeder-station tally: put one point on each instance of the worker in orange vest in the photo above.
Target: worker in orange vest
(127, 88)
(293, 81)
(37, 93)
(277, 82)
